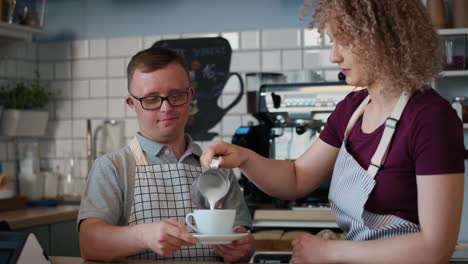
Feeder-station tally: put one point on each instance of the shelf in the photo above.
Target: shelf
(452, 31)
(454, 73)
(9, 32)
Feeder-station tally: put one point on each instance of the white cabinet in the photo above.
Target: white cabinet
(12, 32)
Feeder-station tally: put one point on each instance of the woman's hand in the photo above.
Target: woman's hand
(310, 249)
(239, 250)
(230, 156)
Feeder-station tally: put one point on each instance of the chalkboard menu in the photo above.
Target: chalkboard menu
(208, 61)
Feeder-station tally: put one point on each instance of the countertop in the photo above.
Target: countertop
(35, 216)
(302, 217)
(76, 260)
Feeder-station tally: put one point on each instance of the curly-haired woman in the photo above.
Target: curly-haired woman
(394, 149)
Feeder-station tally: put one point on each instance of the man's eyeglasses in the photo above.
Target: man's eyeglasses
(155, 102)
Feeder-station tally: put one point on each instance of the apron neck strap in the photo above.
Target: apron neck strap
(390, 124)
(137, 152)
(359, 111)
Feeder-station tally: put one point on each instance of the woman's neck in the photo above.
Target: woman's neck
(379, 108)
(381, 102)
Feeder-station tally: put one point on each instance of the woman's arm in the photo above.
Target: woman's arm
(440, 199)
(280, 178)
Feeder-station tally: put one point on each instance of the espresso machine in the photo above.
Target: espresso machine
(291, 116)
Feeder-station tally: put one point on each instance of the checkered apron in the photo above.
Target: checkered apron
(163, 192)
(351, 185)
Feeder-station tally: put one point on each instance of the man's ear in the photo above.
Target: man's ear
(192, 94)
(129, 102)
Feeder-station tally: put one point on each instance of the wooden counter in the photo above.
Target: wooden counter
(314, 217)
(34, 216)
(76, 260)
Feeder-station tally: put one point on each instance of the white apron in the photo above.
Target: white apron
(163, 192)
(351, 185)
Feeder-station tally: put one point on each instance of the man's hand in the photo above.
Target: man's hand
(239, 250)
(165, 237)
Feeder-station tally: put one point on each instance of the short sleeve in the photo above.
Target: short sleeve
(438, 141)
(333, 132)
(102, 195)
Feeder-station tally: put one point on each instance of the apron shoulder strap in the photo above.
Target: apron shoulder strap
(137, 152)
(359, 111)
(390, 125)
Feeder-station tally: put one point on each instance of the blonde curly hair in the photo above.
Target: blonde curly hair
(395, 38)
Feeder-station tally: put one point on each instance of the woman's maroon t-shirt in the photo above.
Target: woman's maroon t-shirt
(428, 140)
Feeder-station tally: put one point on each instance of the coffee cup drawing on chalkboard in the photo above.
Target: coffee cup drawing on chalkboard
(208, 61)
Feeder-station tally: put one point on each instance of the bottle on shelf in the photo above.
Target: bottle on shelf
(31, 182)
(460, 104)
(460, 13)
(3, 179)
(436, 9)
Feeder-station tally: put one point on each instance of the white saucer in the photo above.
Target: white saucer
(218, 239)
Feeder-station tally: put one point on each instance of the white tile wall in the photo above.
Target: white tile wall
(245, 61)
(97, 88)
(88, 80)
(317, 59)
(80, 49)
(117, 87)
(60, 89)
(232, 38)
(79, 148)
(230, 124)
(26, 69)
(131, 127)
(82, 69)
(199, 35)
(80, 89)
(46, 70)
(11, 68)
(54, 51)
(97, 48)
(116, 67)
(171, 36)
(63, 148)
(271, 60)
(61, 129)
(129, 112)
(250, 39)
(9, 51)
(292, 59)
(63, 109)
(91, 108)
(116, 108)
(118, 47)
(281, 38)
(312, 38)
(148, 41)
(62, 70)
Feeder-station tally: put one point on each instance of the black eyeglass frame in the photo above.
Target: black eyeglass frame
(163, 98)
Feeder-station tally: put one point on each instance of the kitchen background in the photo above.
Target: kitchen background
(82, 58)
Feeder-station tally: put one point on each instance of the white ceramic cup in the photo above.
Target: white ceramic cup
(211, 222)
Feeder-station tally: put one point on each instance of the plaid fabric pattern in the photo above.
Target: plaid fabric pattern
(163, 192)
